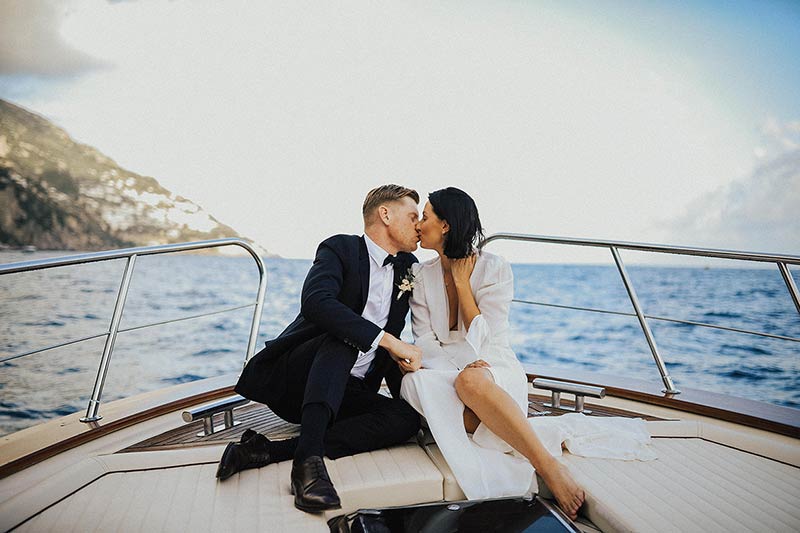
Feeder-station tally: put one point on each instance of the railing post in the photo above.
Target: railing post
(665, 377)
(94, 401)
(262, 288)
(789, 280)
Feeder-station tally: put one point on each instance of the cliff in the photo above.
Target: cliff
(56, 193)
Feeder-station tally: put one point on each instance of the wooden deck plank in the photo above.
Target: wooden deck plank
(536, 407)
(255, 416)
(260, 418)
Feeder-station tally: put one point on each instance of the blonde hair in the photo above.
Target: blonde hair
(383, 194)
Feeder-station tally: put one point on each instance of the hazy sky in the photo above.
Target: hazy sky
(650, 121)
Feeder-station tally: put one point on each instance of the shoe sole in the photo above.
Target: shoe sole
(312, 508)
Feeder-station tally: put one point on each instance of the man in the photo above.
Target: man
(324, 371)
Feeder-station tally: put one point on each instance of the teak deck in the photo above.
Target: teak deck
(262, 419)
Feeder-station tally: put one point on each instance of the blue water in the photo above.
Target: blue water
(49, 307)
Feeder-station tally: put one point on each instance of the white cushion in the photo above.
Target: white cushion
(177, 490)
(694, 485)
(401, 475)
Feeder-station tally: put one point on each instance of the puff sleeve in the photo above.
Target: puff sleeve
(493, 297)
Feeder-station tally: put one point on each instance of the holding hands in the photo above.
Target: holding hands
(408, 356)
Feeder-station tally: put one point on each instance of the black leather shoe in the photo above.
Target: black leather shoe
(312, 487)
(247, 435)
(250, 452)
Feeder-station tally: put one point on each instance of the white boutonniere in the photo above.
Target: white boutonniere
(406, 284)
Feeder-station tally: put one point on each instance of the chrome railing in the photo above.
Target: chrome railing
(782, 261)
(130, 254)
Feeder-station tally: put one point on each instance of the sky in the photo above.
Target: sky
(651, 121)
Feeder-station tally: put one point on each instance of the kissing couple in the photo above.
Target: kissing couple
(324, 371)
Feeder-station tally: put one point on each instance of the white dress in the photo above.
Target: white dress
(482, 463)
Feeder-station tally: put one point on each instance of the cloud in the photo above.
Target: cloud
(588, 134)
(760, 212)
(30, 42)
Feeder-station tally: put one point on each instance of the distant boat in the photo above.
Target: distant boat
(28, 249)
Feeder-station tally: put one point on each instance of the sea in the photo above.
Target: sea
(51, 307)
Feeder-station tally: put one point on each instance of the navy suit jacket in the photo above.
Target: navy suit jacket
(333, 297)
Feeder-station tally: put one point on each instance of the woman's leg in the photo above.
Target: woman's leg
(501, 414)
(471, 420)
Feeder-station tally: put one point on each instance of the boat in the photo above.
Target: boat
(147, 462)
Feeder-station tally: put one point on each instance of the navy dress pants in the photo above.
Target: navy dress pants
(318, 371)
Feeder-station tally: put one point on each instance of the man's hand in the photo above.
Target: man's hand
(408, 356)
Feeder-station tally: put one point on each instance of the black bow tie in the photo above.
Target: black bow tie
(391, 260)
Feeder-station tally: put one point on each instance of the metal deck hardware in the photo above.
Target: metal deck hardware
(207, 412)
(559, 387)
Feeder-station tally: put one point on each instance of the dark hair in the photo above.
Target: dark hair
(459, 210)
(384, 194)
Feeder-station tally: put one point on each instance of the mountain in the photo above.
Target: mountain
(56, 193)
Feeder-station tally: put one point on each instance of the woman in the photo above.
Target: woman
(471, 381)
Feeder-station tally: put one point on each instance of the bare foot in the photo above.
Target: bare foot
(566, 491)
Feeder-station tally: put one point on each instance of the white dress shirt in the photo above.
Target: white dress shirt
(379, 300)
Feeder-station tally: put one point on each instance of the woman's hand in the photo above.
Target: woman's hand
(461, 269)
(407, 356)
(480, 363)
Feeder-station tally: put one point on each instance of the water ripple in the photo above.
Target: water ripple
(718, 314)
(754, 350)
(212, 351)
(184, 378)
(46, 323)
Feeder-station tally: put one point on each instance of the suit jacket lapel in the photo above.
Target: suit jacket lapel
(399, 306)
(394, 305)
(363, 271)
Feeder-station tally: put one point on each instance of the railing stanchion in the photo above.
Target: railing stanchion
(262, 288)
(105, 360)
(665, 377)
(782, 260)
(130, 254)
(789, 280)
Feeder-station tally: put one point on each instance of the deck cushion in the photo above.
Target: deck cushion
(177, 490)
(450, 488)
(401, 475)
(694, 485)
